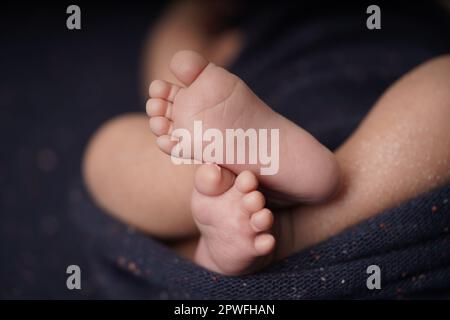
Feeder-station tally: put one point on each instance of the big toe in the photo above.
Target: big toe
(187, 65)
(212, 180)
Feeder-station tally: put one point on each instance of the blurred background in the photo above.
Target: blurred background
(56, 87)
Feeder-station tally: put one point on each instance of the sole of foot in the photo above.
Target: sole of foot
(307, 171)
(236, 229)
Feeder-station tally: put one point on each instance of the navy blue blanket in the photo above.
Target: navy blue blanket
(410, 244)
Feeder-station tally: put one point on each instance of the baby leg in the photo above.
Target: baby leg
(400, 150)
(130, 178)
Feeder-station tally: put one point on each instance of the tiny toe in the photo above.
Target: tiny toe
(262, 220)
(264, 243)
(213, 180)
(187, 65)
(246, 182)
(160, 125)
(253, 201)
(158, 108)
(166, 143)
(163, 90)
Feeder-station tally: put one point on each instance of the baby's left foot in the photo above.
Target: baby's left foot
(234, 225)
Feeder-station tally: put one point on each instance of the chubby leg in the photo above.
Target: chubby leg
(400, 150)
(129, 177)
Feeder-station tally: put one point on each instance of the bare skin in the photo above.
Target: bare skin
(400, 150)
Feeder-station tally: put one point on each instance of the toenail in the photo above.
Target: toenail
(254, 201)
(264, 243)
(262, 220)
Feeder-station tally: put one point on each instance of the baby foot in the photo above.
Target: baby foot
(234, 225)
(307, 171)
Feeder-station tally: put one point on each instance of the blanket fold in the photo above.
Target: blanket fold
(410, 244)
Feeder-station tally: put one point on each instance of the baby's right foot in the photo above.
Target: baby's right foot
(307, 171)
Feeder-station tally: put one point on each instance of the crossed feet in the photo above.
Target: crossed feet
(236, 229)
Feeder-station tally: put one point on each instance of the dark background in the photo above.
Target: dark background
(56, 87)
